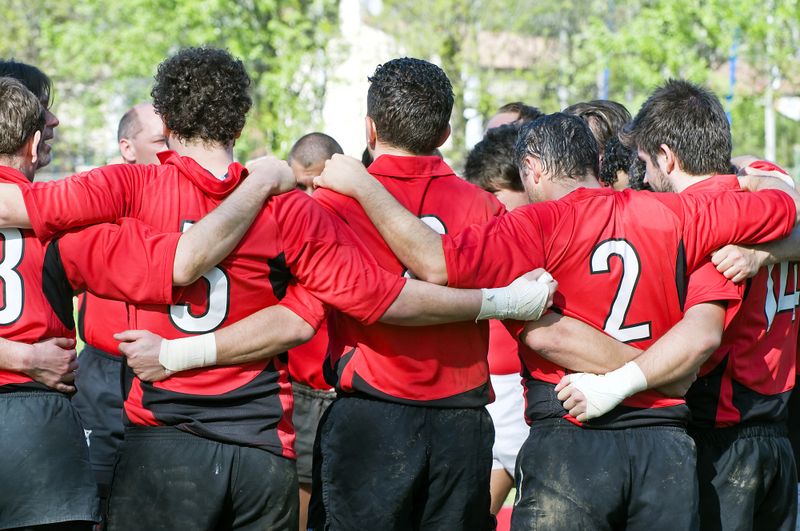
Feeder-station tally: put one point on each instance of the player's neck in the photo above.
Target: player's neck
(213, 157)
(562, 187)
(681, 181)
(19, 164)
(386, 149)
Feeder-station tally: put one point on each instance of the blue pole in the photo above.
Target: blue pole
(732, 76)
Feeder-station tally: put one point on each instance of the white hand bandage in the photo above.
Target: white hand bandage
(188, 352)
(604, 392)
(523, 299)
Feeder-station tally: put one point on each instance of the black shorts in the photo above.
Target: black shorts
(166, 479)
(747, 478)
(575, 478)
(44, 462)
(309, 406)
(387, 466)
(99, 404)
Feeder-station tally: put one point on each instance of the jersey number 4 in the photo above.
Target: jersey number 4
(631, 268)
(218, 295)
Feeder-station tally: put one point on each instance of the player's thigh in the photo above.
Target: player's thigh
(372, 457)
(570, 478)
(263, 492)
(166, 479)
(778, 507)
(44, 462)
(664, 488)
(460, 463)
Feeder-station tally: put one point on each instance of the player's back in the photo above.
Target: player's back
(436, 365)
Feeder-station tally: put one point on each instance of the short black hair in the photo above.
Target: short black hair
(604, 117)
(21, 115)
(203, 94)
(31, 77)
(562, 142)
(617, 156)
(410, 101)
(690, 120)
(314, 148)
(491, 165)
(525, 113)
(129, 124)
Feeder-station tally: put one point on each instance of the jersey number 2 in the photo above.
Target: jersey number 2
(218, 295)
(631, 267)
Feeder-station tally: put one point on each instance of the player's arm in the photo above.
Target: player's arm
(415, 244)
(51, 362)
(678, 354)
(742, 262)
(213, 238)
(760, 182)
(12, 207)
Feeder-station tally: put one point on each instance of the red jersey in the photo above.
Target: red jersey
(306, 360)
(621, 260)
(38, 280)
(291, 240)
(503, 350)
(752, 373)
(441, 365)
(99, 319)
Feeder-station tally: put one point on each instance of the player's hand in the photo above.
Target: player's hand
(345, 175)
(598, 394)
(738, 263)
(574, 401)
(273, 175)
(53, 362)
(142, 348)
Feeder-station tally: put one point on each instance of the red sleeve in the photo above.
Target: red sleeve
(713, 220)
(495, 253)
(706, 284)
(130, 262)
(764, 165)
(102, 195)
(328, 260)
(305, 305)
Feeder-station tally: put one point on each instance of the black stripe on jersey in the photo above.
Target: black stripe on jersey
(332, 372)
(279, 275)
(56, 287)
(754, 407)
(703, 396)
(681, 278)
(82, 318)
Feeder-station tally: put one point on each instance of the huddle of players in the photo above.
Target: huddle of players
(408, 442)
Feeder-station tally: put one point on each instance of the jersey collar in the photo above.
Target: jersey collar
(202, 178)
(12, 175)
(410, 167)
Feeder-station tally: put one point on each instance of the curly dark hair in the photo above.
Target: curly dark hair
(562, 142)
(410, 101)
(490, 164)
(202, 94)
(618, 157)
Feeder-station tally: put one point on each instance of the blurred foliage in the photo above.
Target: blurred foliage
(102, 55)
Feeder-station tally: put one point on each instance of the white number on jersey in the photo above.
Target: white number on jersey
(434, 223)
(218, 299)
(601, 263)
(784, 301)
(13, 245)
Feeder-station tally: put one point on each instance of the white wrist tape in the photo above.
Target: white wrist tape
(604, 392)
(523, 299)
(188, 352)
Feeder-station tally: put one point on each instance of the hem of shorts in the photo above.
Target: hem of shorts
(77, 517)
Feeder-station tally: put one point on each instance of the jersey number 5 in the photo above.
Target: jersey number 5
(601, 263)
(218, 295)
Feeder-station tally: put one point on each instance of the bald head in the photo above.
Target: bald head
(141, 135)
(308, 155)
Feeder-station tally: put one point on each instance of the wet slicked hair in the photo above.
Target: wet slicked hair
(491, 163)
(605, 118)
(525, 113)
(562, 142)
(314, 148)
(410, 101)
(690, 120)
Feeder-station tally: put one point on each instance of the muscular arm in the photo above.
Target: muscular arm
(678, 354)
(415, 244)
(212, 238)
(741, 262)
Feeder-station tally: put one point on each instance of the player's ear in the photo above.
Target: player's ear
(32, 147)
(127, 150)
(667, 159)
(533, 168)
(371, 132)
(444, 137)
